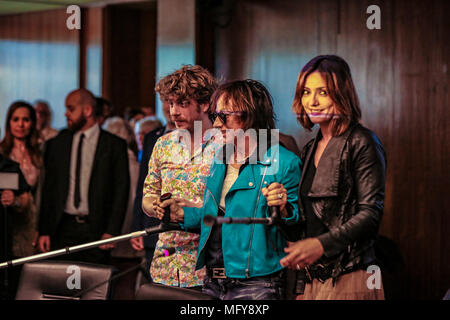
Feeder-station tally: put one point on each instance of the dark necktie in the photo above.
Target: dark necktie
(77, 196)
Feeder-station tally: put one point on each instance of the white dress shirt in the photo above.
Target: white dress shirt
(87, 160)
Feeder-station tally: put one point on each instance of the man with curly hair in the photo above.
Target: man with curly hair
(180, 166)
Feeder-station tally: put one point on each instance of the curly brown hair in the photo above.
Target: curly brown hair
(189, 82)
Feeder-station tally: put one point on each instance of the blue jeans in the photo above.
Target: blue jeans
(269, 287)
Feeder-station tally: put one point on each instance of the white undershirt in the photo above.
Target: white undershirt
(230, 178)
(89, 147)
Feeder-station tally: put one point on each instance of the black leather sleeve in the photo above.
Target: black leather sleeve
(368, 169)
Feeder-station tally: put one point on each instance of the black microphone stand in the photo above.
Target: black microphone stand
(274, 220)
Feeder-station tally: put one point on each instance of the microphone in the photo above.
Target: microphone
(166, 218)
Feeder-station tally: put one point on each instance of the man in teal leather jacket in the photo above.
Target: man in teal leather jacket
(243, 260)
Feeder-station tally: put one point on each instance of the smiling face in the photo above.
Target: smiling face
(20, 123)
(316, 100)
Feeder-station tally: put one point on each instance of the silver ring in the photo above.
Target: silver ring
(280, 196)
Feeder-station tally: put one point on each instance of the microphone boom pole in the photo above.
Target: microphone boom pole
(162, 227)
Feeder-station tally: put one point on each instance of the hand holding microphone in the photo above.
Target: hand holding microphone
(276, 196)
(161, 205)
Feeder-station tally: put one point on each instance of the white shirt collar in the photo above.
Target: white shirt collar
(91, 132)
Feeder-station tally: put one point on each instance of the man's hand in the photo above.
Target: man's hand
(109, 245)
(176, 210)
(35, 240)
(44, 243)
(147, 205)
(137, 243)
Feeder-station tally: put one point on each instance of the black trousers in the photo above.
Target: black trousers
(71, 233)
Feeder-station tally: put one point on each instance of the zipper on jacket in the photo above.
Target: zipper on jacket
(209, 234)
(247, 271)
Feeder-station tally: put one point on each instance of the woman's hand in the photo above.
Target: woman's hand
(8, 198)
(176, 210)
(276, 195)
(302, 253)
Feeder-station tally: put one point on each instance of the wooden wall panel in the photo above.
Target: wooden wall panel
(175, 46)
(401, 75)
(148, 57)
(129, 55)
(93, 35)
(38, 60)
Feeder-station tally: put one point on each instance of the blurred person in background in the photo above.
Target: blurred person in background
(44, 120)
(133, 115)
(86, 184)
(123, 256)
(143, 127)
(105, 110)
(21, 144)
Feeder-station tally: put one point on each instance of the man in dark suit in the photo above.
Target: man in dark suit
(86, 183)
(140, 219)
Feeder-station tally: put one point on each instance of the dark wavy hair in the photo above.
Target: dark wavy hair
(189, 82)
(32, 140)
(338, 78)
(249, 97)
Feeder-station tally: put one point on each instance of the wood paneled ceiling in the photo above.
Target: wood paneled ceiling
(23, 6)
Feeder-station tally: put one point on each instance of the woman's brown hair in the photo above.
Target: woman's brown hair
(341, 89)
(31, 141)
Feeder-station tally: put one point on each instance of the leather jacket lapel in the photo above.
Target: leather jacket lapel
(326, 180)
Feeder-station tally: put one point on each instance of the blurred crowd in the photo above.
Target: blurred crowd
(27, 129)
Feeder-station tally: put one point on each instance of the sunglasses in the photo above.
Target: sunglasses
(223, 115)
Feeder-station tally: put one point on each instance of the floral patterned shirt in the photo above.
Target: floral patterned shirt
(172, 169)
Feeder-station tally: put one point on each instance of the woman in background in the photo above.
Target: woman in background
(21, 144)
(341, 190)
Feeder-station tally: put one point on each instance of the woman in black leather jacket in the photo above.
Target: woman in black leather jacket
(341, 189)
